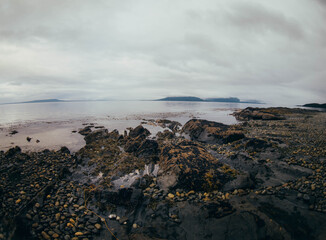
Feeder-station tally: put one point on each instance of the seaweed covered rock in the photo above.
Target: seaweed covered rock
(148, 148)
(188, 165)
(166, 134)
(273, 113)
(96, 135)
(212, 132)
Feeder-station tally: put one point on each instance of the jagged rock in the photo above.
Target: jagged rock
(212, 132)
(140, 130)
(96, 135)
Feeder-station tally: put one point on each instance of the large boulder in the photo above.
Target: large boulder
(212, 132)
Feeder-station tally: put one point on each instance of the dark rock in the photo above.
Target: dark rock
(255, 144)
(173, 125)
(64, 150)
(242, 181)
(132, 145)
(165, 135)
(212, 132)
(85, 131)
(148, 149)
(124, 196)
(28, 139)
(13, 151)
(96, 135)
(140, 130)
(13, 132)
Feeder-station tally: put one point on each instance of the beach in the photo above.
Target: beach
(263, 177)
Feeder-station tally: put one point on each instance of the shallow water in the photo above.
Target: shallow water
(52, 123)
(21, 113)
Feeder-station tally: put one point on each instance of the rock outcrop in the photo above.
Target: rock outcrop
(187, 165)
(212, 132)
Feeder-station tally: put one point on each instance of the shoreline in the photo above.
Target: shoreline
(261, 178)
(55, 134)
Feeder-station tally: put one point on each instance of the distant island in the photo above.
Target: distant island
(315, 105)
(40, 101)
(185, 99)
(54, 100)
(197, 99)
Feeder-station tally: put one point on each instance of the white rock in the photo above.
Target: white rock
(112, 216)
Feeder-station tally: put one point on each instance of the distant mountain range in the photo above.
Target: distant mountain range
(197, 99)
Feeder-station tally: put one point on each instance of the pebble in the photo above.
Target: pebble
(170, 195)
(79, 234)
(55, 235)
(98, 226)
(135, 225)
(191, 192)
(45, 235)
(112, 216)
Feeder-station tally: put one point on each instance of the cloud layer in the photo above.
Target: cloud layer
(81, 49)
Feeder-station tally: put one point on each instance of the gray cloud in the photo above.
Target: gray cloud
(256, 19)
(81, 49)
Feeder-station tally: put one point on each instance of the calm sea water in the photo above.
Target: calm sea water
(115, 110)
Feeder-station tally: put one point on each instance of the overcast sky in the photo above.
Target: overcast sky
(274, 51)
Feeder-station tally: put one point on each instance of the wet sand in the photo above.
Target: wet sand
(55, 134)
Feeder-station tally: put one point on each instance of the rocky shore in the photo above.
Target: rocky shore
(264, 178)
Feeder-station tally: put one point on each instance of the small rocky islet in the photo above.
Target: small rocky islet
(264, 178)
